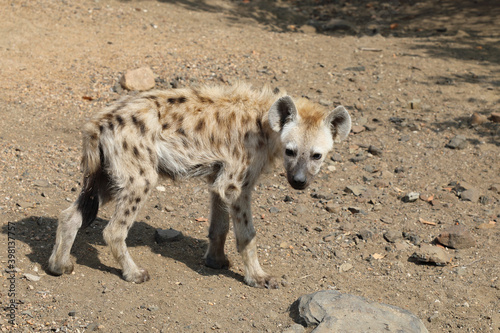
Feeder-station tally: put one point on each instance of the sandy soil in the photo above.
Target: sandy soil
(411, 76)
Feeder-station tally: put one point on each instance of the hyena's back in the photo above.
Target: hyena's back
(212, 131)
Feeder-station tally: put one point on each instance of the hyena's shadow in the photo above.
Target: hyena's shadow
(38, 232)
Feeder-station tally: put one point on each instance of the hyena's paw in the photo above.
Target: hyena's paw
(139, 276)
(265, 281)
(217, 263)
(59, 269)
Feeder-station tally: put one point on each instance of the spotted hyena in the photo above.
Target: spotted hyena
(227, 135)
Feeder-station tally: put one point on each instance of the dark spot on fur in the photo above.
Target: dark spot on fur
(141, 171)
(127, 212)
(218, 120)
(139, 124)
(231, 188)
(136, 152)
(101, 128)
(111, 126)
(134, 208)
(181, 131)
(120, 120)
(93, 136)
(125, 145)
(200, 125)
(165, 126)
(138, 199)
(131, 179)
(237, 208)
(123, 222)
(181, 100)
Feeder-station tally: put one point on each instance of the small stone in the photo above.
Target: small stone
(375, 151)
(477, 119)
(92, 327)
(295, 328)
(412, 238)
(356, 129)
(432, 255)
(470, 195)
(336, 157)
(495, 188)
(273, 210)
(72, 313)
(287, 198)
(331, 168)
(358, 158)
(365, 234)
(169, 208)
(392, 236)
(456, 237)
(345, 267)
(284, 245)
(139, 79)
(41, 183)
(161, 188)
(334, 209)
(495, 117)
(457, 142)
(31, 277)
(167, 235)
(411, 197)
(356, 210)
(357, 190)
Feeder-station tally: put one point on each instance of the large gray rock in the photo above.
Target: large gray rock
(333, 311)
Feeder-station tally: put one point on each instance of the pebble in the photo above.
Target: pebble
(358, 158)
(495, 117)
(295, 328)
(345, 267)
(478, 119)
(392, 236)
(31, 277)
(334, 209)
(470, 195)
(457, 237)
(139, 79)
(431, 254)
(273, 210)
(375, 151)
(167, 235)
(457, 142)
(356, 129)
(365, 234)
(495, 188)
(336, 157)
(357, 190)
(411, 197)
(41, 183)
(72, 313)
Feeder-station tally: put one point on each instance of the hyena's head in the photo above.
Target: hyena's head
(307, 134)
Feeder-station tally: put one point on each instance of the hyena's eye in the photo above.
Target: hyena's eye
(290, 152)
(316, 156)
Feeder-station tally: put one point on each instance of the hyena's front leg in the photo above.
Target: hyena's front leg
(217, 233)
(245, 241)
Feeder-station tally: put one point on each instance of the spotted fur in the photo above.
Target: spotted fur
(226, 135)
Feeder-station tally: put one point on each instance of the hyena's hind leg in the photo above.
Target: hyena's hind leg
(82, 212)
(130, 198)
(217, 233)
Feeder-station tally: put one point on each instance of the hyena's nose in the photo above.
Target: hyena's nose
(299, 181)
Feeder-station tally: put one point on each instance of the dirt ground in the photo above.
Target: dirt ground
(411, 73)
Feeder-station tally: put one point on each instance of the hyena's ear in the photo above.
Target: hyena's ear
(281, 112)
(339, 122)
